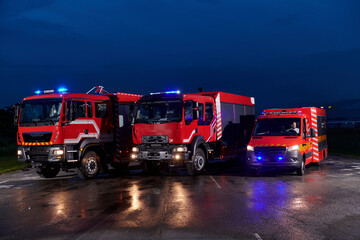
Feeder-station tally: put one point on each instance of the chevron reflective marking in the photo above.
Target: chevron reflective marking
(188, 139)
(315, 153)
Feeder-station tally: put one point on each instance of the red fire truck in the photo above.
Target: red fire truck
(288, 139)
(191, 129)
(62, 130)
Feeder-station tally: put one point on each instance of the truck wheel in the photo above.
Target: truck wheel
(197, 165)
(301, 170)
(149, 167)
(48, 170)
(89, 166)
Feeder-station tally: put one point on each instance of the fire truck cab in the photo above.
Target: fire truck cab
(62, 130)
(191, 129)
(288, 139)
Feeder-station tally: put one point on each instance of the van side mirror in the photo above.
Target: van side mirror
(312, 132)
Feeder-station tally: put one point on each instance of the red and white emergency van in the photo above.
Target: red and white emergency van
(89, 132)
(191, 129)
(288, 139)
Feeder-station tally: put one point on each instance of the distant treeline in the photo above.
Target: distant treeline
(7, 131)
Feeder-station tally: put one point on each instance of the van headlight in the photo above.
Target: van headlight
(249, 148)
(293, 148)
(19, 152)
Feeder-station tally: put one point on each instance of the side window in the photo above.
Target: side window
(89, 109)
(201, 114)
(209, 113)
(100, 110)
(78, 110)
(188, 112)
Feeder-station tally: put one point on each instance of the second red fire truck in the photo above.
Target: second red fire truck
(191, 129)
(62, 130)
(288, 139)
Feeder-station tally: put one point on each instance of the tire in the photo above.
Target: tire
(89, 166)
(48, 170)
(197, 165)
(301, 170)
(149, 167)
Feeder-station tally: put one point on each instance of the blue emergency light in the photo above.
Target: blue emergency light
(280, 158)
(259, 158)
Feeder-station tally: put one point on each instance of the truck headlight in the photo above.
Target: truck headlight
(58, 152)
(249, 148)
(135, 149)
(180, 149)
(293, 148)
(19, 152)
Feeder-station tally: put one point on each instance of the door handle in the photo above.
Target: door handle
(86, 131)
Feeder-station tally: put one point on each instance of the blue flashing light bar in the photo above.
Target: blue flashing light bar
(167, 92)
(59, 90)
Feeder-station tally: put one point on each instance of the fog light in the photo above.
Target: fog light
(133, 156)
(19, 152)
(58, 152)
(177, 156)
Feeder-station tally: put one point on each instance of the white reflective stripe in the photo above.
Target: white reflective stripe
(218, 129)
(317, 154)
(315, 143)
(92, 122)
(188, 140)
(316, 158)
(313, 110)
(218, 124)
(81, 135)
(313, 114)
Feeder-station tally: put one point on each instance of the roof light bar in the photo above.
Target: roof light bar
(167, 92)
(59, 90)
(282, 112)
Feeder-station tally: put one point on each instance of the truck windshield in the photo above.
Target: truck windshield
(157, 112)
(277, 127)
(40, 112)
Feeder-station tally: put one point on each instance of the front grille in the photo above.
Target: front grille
(269, 151)
(38, 158)
(37, 137)
(155, 139)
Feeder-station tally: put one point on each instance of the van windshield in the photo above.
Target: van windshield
(159, 111)
(277, 127)
(40, 112)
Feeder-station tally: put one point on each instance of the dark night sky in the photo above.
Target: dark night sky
(284, 53)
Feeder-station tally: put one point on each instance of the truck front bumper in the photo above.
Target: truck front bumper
(164, 154)
(42, 154)
(290, 160)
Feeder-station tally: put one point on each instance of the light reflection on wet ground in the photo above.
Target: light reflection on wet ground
(222, 204)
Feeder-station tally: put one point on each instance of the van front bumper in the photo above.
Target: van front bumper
(290, 160)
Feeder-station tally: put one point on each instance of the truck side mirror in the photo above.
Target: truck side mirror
(312, 132)
(131, 118)
(16, 113)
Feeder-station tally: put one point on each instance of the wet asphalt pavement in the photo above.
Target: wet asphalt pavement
(222, 204)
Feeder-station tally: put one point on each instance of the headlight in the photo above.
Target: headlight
(250, 148)
(293, 148)
(133, 156)
(135, 149)
(58, 152)
(19, 152)
(180, 149)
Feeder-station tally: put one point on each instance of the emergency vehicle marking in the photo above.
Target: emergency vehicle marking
(89, 135)
(212, 126)
(188, 140)
(218, 117)
(315, 139)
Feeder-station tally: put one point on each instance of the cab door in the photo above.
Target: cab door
(76, 126)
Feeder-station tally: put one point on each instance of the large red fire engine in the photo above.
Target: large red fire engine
(89, 132)
(288, 139)
(191, 129)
